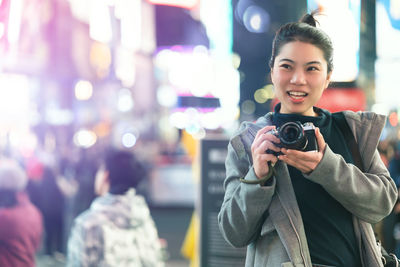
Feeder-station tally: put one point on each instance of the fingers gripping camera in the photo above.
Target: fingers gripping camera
(294, 135)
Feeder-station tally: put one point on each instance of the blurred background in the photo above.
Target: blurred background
(170, 80)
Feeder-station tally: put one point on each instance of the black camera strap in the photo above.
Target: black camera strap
(349, 137)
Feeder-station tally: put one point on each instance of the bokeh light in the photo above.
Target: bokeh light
(85, 138)
(125, 100)
(83, 90)
(256, 19)
(264, 94)
(128, 140)
(166, 96)
(248, 107)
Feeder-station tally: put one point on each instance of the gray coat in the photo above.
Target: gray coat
(267, 219)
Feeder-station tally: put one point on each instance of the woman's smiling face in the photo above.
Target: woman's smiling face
(300, 75)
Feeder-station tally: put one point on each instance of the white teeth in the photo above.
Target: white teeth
(297, 94)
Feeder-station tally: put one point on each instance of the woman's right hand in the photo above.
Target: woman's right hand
(263, 141)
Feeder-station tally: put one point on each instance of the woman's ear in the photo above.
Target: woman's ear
(271, 76)
(328, 80)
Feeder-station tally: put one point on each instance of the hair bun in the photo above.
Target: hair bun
(309, 19)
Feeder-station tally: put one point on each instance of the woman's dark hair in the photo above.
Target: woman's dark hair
(125, 171)
(304, 31)
(8, 198)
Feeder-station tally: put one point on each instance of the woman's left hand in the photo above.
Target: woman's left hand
(306, 162)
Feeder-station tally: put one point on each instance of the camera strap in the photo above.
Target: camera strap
(271, 172)
(349, 137)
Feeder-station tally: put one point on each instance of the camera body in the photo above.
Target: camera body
(294, 135)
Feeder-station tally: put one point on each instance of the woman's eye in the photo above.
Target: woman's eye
(285, 66)
(312, 68)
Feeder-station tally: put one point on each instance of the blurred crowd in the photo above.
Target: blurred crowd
(51, 202)
(61, 187)
(389, 229)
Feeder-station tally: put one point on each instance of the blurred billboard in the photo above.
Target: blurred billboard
(341, 21)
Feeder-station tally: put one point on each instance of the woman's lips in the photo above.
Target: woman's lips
(297, 96)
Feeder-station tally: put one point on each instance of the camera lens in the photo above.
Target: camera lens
(290, 133)
(292, 136)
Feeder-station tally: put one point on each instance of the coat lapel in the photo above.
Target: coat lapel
(286, 217)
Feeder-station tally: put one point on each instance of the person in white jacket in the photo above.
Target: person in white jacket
(117, 230)
(294, 205)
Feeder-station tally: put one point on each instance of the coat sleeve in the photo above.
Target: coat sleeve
(369, 195)
(244, 205)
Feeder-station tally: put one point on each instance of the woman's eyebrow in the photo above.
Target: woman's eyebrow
(286, 59)
(313, 62)
(308, 63)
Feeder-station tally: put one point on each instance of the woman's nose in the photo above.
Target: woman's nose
(298, 77)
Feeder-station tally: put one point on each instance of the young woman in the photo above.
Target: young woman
(316, 207)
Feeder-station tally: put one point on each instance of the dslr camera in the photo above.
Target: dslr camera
(294, 135)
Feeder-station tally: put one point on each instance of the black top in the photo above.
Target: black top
(328, 225)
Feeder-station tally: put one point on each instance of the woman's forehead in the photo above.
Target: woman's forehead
(301, 51)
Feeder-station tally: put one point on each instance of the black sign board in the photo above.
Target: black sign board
(214, 250)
